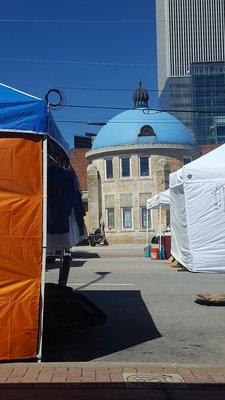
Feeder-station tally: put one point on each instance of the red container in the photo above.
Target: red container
(154, 253)
(166, 242)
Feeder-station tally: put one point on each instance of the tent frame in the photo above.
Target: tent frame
(159, 208)
(44, 243)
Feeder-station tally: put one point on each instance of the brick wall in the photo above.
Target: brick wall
(206, 148)
(80, 164)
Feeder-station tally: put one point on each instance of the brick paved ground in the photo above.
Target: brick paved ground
(106, 381)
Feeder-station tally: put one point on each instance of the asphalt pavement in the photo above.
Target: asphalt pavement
(152, 316)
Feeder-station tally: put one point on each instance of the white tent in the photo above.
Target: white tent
(197, 204)
(160, 201)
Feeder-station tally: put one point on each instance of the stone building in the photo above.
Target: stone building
(130, 161)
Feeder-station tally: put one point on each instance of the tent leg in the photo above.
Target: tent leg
(44, 245)
(147, 223)
(64, 269)
(160, 228)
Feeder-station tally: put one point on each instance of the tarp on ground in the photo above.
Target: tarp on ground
(197, 196)
(160, 199)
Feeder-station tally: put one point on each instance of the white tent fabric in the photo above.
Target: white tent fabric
(161, 201)
(197, 196)
(162, 198)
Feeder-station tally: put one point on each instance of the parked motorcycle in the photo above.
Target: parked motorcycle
(97, 237)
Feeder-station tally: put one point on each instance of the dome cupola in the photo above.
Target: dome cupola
(140, 97)
(142, 126)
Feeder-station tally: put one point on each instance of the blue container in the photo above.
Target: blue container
(147, 250)
(162, 253)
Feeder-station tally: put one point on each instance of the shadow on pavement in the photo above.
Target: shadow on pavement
(67, 309)
(100, 275)
(84, 254)
(128, 324)
(110, 391)
(56, 264)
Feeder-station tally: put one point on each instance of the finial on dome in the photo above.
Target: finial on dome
(140, 96)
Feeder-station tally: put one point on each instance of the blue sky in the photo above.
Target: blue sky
(94, 39)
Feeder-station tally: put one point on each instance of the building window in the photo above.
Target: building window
(187, 159)
(127, 218)
(220, 134)
(110, 217)
(125, 167)
(146, 130)
(144, 166)
(109, 168)
(143, 218)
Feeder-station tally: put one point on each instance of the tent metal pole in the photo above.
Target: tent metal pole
(160, 234)
(147, 228)
(44, 243)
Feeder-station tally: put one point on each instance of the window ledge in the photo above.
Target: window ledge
(149, 230)
(126, 179)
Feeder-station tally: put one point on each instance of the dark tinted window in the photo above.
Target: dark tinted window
(144, 166)
(125, 167)
(109, 168)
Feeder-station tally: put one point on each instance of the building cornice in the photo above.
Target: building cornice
(142, 149)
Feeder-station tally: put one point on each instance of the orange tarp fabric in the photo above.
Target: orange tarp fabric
(20, 245)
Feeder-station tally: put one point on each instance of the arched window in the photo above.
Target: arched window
(146, 130)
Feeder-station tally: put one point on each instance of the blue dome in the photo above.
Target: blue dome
(124, 129)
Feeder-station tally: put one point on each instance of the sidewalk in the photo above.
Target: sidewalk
(120, 381)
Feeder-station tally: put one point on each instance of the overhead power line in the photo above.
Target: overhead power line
(113, 122)
(107, 21)
(82, 21)
(98, 89)
(156, 111)
(76, 62)
(179, 91)
(95, 107)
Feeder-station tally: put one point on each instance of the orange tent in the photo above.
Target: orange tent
(21, 220)
(26, 126)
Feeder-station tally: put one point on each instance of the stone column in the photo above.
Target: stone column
(162, 183)
(94, 194)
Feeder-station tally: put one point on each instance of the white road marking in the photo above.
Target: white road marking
(101, 284)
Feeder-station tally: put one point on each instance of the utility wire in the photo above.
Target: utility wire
(95, 107)
(156, 111)
(77, 62)
(116, 64)
(115, 122)
(99, 89)
(81, 21)
(179, 91)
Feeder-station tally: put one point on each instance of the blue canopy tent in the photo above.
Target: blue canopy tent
(24, 113)
(40, 207)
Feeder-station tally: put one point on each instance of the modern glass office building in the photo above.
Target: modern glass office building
(208, 99)
(188, 31)
(176, 98)
(191, 32)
